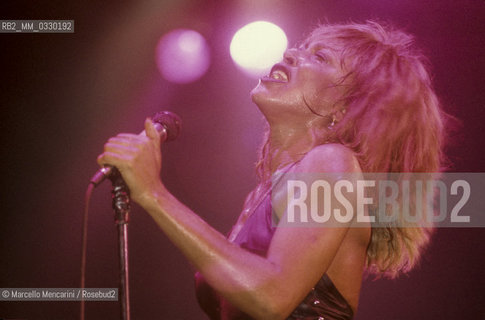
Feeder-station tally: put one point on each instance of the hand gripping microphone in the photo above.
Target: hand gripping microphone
(167, 123)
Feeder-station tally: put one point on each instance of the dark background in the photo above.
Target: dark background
(63, 95)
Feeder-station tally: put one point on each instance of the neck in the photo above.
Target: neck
(289, 145)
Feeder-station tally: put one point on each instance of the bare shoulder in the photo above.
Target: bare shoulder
(332, 157)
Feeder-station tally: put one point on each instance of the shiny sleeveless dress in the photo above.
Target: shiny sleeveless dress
(324, 301)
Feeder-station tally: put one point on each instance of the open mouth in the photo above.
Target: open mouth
(279, 73)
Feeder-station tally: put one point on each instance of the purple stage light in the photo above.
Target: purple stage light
(182, 56)
(257, 46)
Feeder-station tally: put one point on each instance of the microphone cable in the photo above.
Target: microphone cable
(87, 199)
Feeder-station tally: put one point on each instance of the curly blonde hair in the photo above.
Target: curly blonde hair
(393, 122)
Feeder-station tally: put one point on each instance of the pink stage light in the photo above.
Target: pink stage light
(257, 46)
(182, 56)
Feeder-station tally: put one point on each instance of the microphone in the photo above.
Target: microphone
(167, 123)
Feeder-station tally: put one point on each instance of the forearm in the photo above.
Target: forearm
(247, 280)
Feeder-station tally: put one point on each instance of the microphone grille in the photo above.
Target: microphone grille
(170, 121)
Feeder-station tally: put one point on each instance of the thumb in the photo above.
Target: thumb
(150, 130)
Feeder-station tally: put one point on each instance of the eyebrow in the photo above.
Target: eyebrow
(314, 44)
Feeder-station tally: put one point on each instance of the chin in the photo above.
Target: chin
(262, 94)
(258, 94)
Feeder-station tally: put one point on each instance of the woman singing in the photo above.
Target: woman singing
(354, 99)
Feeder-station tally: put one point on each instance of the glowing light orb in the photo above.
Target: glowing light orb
(257, 46)
(182, 56)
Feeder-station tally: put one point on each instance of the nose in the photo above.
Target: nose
(292, 57)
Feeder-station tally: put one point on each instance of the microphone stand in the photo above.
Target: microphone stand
(121, 207)
(168, 125)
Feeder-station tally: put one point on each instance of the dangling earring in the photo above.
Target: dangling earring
(334, 121)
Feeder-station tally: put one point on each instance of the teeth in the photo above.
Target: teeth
(279, 75)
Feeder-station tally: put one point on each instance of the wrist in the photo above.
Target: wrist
(151, 197)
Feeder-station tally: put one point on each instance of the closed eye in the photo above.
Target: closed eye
(321, 57)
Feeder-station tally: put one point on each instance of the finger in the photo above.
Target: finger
(112, 159)
(151, 132)
(120, 148)
(130, 136)
(126, 141)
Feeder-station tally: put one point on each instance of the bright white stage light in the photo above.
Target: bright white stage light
(257, 46)
(182, 56)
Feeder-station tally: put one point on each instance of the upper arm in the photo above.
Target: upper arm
(302, 253)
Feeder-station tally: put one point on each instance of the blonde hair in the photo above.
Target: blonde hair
(393, 123)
